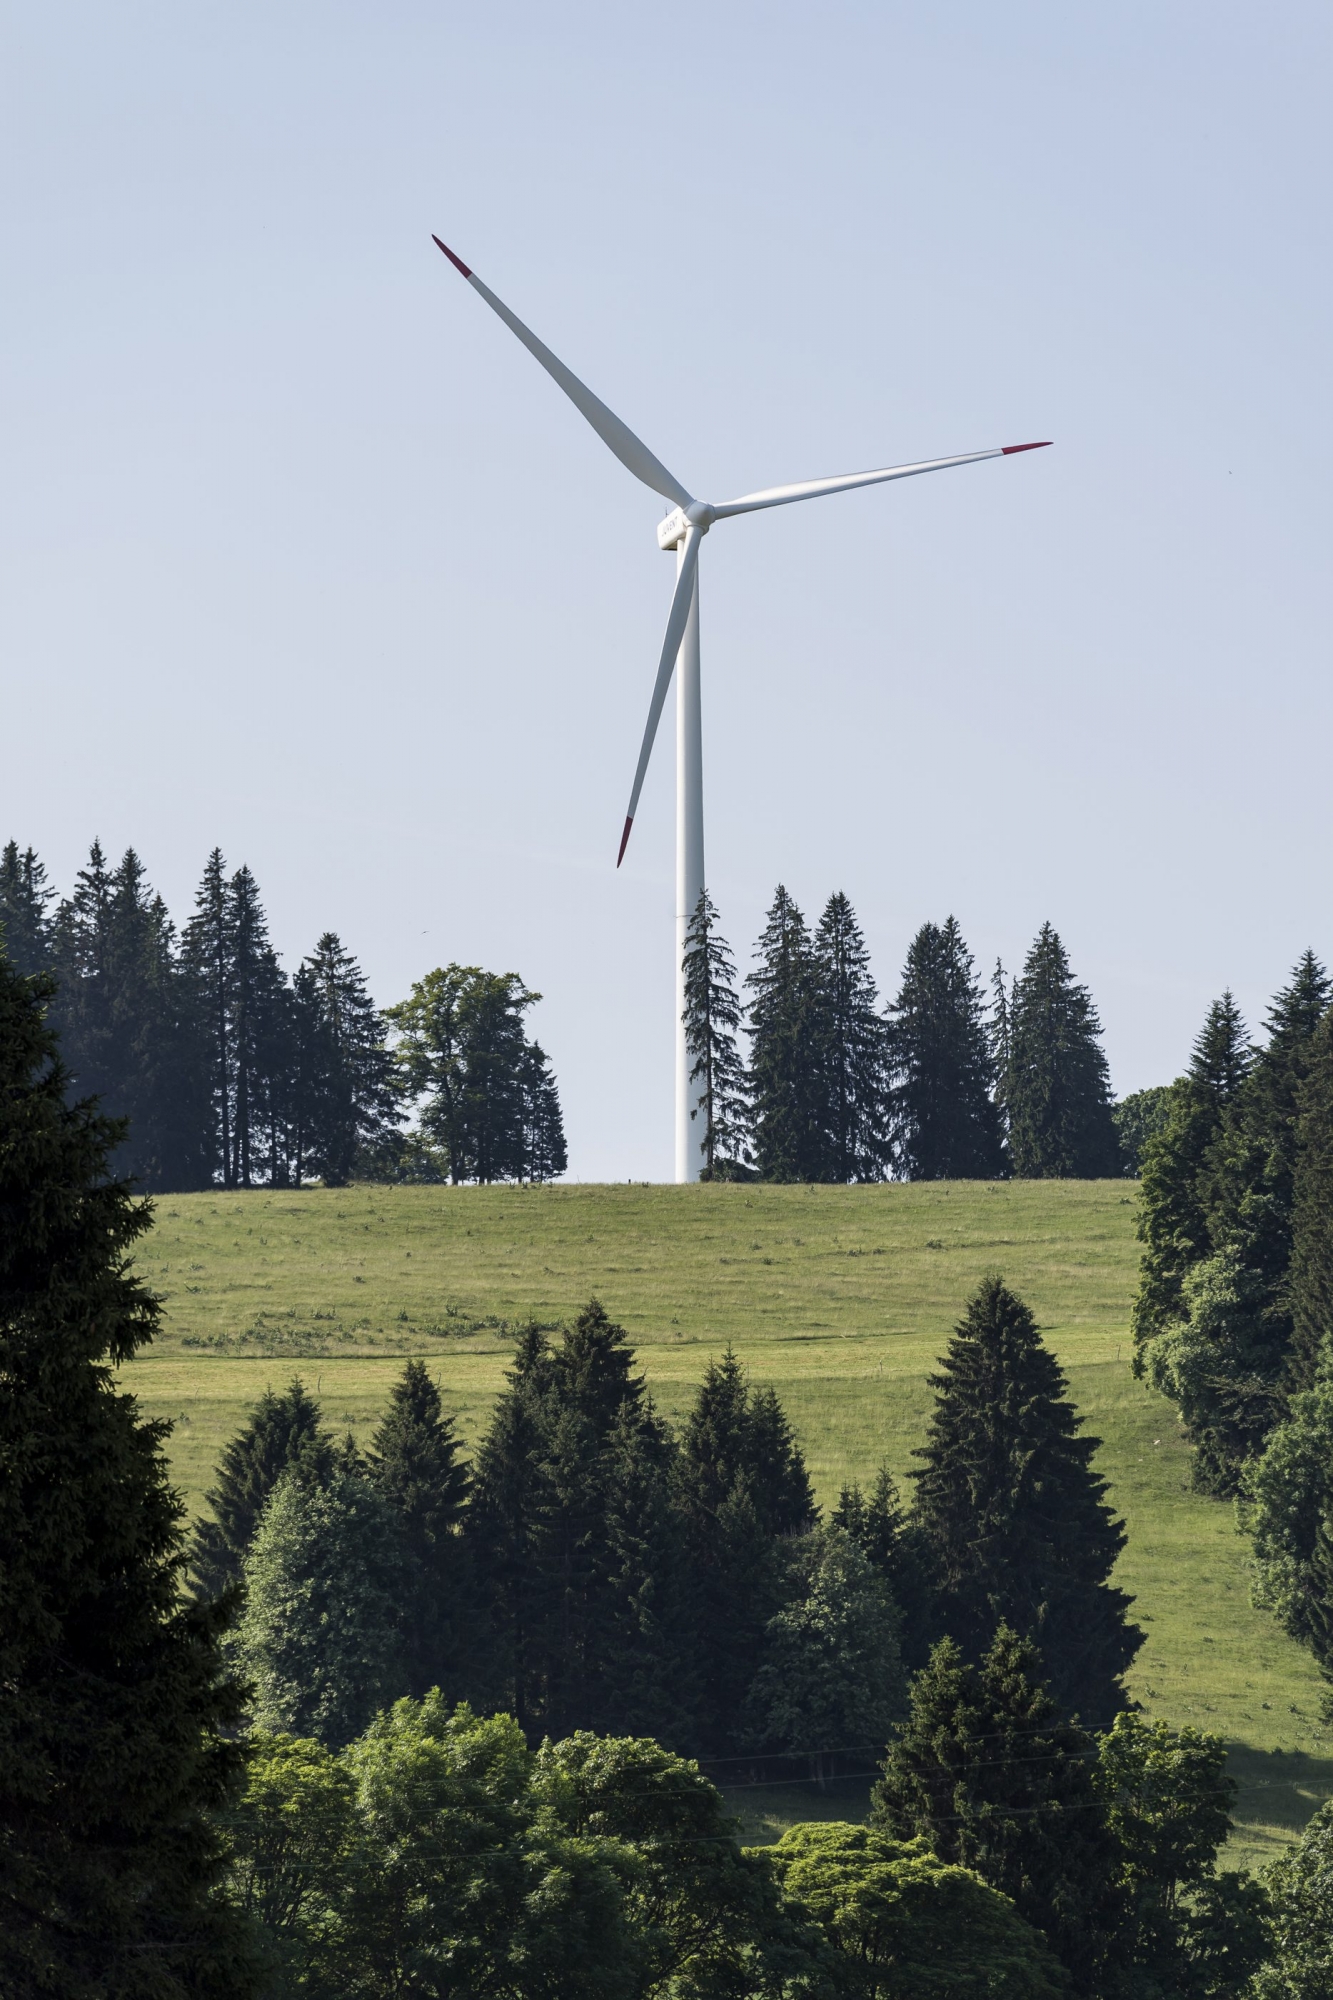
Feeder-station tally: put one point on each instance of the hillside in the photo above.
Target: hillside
(841, 1297)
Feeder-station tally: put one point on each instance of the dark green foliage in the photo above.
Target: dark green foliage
(572, 1537)
(1012, 1516)
(319, 1639)
(282, 1431)
(888, 1535)
(487, 1100)
(905, 1925)
(1287, 1508)
(991, 1774)
(1055, 1087)
(350, 1101)
(439, 1857)
(1300, 1885)
(1185, 1929)
(1213, 1320)
(1309, 1289)
(111, 1726)
(945, 1122)
(786, 1087)
(853, 1050)
(831, 1683)
(25, 924)
(712, 1018)
(1138, 1118)
(415, 1465)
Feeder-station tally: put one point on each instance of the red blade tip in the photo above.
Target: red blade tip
(1007, 449)
(457, 262)
(624, 840)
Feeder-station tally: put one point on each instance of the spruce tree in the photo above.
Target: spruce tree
(505, 1528)
(1310, 1279)
(543, 1155)
(945, 1122)
(415, 1463)
(647, 1682)
(25, 926)
(209, 956)
(853, 1049)
(280, 1431)
(712, 1017)
(262, 1045)
(355, 1104)
(112, 1747)
(890, 1539)
(1056, 1087)
(786, 1098)
(1012, 1516)
(990, 1772)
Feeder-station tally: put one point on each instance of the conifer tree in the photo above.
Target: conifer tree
(261, 1040)
(993, 1776)
(543, 1155)
(506, 1526)
(946, 1126)
(647, 1683)
(25, 926)
(1310, 1279)
(890, 1539)
(281, 1431)
(1012, 1516)
(790, 1141)
(319, 1638)
(355, 1102)
(712, 1018)
(208, 949)
(112, 1750)
(1056, 1088)
(853, 1047)
(415, 1463)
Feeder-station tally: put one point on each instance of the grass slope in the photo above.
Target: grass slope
(841, 1297)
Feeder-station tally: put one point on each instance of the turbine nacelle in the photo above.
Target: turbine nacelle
(671, 532)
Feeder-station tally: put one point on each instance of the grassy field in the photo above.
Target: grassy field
(841, 1297)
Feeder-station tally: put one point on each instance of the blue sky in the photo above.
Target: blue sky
(306, 558)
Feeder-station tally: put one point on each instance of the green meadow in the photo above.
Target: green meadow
(841, 1297)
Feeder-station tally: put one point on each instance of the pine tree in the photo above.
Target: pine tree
(992, 1775)
(415, 1463)
(853, 1048)
(25, 926)
(712, 1017)
(1310, 1278)
(946, 1126)
(112, 1750)
(355, 1102)
(1012, 1515)
(785, 1083)
(280, 1432)
(1056, 1088)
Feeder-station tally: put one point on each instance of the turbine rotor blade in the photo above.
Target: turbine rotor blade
(630, 450)
(814, 489)
(677, 619)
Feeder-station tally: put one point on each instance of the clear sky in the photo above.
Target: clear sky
(305, 557)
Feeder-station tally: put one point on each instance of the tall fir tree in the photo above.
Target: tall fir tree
(208, 950)
(262, 1043)
(790, 1140)
(543, 1155)
(113, 1750)
(280, 1431)
(721, 1110)
(990, 1772)
(890, 1539)
(415, 1462)
(25, 923)
(1310, 1277)
(853, 1049)
(355, 1101)
(945, 1122)
(1056, 1087)
(1012, 1516)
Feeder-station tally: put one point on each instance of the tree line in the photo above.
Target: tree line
(1234, 1314)
(232, 1074)
(947, 1083)
(155, 1845)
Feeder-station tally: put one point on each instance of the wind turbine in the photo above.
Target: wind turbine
(683, 530)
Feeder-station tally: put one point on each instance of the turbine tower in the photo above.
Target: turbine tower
(682, 532)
